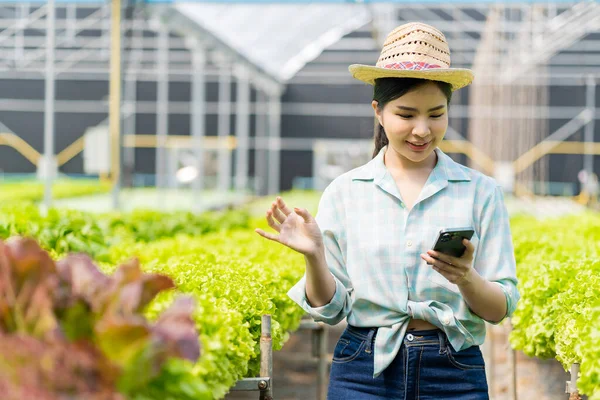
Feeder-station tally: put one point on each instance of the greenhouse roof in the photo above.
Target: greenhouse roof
(280, 39)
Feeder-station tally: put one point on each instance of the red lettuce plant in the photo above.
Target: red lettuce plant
(68, 331)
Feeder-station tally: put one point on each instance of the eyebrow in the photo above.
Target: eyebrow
(414, 109)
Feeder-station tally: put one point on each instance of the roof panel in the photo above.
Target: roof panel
(278, 38)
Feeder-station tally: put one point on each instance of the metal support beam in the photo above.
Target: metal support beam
(71, 17)
(115, 100)
(105, 36)
(162, 112)
(198, 121)
(260, 153)
(242, 129)
(15, 27)
(264, 383)
(266, 357)
(100, 16)
(251, 384)
(224, 128)
(130, 95)
(590, 103)
(23, 12)
(555, 35)
(542, 148)
(274, 142)
(173, 156)
(49, 103)
(129, 123)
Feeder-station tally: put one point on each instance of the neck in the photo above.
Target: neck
(401, 165)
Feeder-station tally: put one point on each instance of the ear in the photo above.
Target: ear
(378, 113)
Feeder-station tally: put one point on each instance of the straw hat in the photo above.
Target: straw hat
(414, 50)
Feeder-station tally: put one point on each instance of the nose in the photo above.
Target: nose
(421, 129)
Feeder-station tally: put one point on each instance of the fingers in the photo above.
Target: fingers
(284, 207)
(271, 222)
(279, 211)
(303, 212)
(277, 214)
(434, 261)
(448, 270)
(470, 248)
(266, 235)
(438, 262)
(442, 257)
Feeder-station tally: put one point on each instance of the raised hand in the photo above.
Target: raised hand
(296, 228)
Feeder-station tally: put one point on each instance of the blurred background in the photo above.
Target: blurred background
(204, 104)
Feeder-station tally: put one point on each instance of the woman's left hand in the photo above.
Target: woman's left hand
(457, 270)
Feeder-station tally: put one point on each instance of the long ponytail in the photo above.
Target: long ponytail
(381, 138)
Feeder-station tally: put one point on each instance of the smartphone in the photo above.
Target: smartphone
(449, 241)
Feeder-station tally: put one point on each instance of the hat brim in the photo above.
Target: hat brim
(457, 77)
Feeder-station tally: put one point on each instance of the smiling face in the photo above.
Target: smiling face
(416, 122)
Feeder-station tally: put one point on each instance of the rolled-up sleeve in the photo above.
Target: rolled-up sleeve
(330, 220)
(495, 259)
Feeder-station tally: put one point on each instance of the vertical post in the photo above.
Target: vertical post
(590, 103)
(107, 25)
(71, 23)
(266, 356)
(162, 114)
(115, 99)
(224, 127)
(130, 95)
(323, 363)
(129, 125)
(242, 129)
(49, 104)
(198, 124)
(274, 141)
(260, 159)
(572, 384)
(490, 362)
(457, 95)
(173, 156)
(512, 364)
(23, 14)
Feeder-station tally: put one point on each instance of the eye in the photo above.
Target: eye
(437, 116)
(405, 116)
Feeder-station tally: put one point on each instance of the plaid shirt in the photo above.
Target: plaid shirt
(373, 245)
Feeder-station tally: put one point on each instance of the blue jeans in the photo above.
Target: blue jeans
(426, 368)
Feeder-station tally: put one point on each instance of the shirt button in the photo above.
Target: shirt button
(446, 320)
(410, 337)
(409, 243)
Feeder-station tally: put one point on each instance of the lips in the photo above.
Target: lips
(418, 147)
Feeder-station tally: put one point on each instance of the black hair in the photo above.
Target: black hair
(389, 89)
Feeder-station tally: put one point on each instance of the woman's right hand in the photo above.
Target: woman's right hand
(297, 229)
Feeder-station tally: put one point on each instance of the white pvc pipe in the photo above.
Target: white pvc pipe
(49, 104)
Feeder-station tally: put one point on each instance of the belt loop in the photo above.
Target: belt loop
(442, 338)
(370, 339)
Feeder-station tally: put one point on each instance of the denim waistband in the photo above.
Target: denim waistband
(411, 338)
(364, 331)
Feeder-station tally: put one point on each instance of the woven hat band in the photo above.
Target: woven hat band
(411, 66)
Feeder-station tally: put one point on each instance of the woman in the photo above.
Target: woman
(416, 318)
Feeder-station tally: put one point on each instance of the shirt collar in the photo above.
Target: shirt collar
(446, 169)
